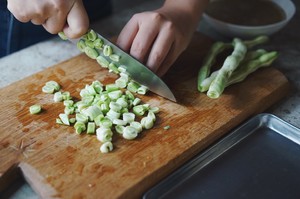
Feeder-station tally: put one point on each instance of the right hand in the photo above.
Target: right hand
(55, 16)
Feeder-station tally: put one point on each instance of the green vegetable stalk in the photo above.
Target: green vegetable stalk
(246, 68)
(209, 60)
(230, 64)
(252, 65)
(216, 49)
(256, 41)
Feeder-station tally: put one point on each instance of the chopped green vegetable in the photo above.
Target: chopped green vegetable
(121, 82)
(167, 127)
(122, 101)
(58, 97)
(79, 127)
(104, 134)
(114, 95)
(68, 103)
(128, 117)
(138, 126)
(58, 121)
(72, 120)
(133, 86)
(66, 95)
(81, 118)
(119, 122)
(136, 101)
(105, 122)
(119, 129)
(98, 119)
(98, 43)
(151, 115)
(154, 109)
(111, 87)
(139, 110)
(147, 122)
(107, 50)
(106, 147)
(91, 52)
(91, 128)
(115, 106)
(48, 89)
(64, 118)
(102, 61)
(142, 90)
(69, 110)
(51, 87)
(90, 44)
(111, 114)
(114, 57)
(92, 112)
(122, 68)
(130, 133)
(113, 68)
(62, 36)
(129, 95)
(81, 45)
(97, 86)
(92, 35)
(35, 109)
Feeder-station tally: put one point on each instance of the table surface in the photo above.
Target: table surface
(35, 58)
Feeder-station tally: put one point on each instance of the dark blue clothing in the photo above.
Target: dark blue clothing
(15, 35)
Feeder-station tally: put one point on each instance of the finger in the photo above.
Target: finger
(18, 14)
(143, 41)
(38, 21)
(77, 21)
(40, 14)
(169, 61)
(127, 34)
(55, 22)
(160, 49)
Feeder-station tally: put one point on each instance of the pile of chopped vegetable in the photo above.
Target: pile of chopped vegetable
(242, 61)
(103, 109)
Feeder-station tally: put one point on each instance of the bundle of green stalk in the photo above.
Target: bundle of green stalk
(242, 61)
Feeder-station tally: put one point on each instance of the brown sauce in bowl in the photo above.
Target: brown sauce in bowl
(246, 12)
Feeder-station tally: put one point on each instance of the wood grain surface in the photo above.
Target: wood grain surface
(58, 163)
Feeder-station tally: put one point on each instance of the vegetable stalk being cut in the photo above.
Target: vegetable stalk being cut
(110, 56)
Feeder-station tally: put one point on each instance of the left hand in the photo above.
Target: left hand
(157, 38)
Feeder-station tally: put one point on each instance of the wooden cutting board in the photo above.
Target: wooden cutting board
(58, 163)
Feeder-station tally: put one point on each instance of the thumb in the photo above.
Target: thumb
(77, 21)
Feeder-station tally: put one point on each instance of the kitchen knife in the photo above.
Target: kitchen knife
(139, 72)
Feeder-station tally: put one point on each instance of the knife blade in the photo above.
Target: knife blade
(138, 71)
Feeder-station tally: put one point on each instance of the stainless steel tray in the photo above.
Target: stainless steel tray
(260, 159)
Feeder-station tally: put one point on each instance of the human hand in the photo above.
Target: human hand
(157, 38)
(55, 16)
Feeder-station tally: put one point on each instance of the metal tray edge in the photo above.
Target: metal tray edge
(186, 171)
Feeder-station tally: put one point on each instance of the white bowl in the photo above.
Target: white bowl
(233, 30)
